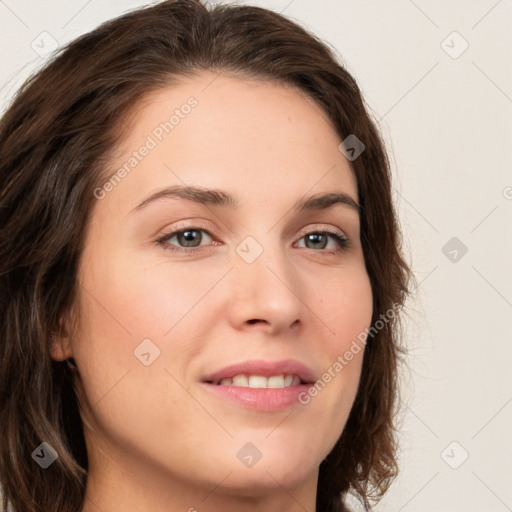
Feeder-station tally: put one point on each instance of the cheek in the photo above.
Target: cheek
(130, 299)
(123, 302)
(346, 306)
(122, 305)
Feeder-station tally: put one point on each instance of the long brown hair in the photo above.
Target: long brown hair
(55, 142)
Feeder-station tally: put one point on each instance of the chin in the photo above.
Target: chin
(278, 466)
(257, 481)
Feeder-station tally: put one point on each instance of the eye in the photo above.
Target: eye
(319, 240)
(190, 239)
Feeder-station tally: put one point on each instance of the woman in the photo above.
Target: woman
(201, 273)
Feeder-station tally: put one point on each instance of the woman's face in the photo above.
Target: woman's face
(250, 282)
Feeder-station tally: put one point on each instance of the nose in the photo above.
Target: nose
(265, 294)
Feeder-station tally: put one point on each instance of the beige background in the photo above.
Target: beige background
(446, 113)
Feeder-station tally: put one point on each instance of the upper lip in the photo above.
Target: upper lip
(263, 368)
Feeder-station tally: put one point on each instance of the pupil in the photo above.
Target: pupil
(188, 236)
(314, 238)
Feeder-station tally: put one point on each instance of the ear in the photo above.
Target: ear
(60, 344)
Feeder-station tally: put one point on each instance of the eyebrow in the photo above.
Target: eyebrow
(216, 197)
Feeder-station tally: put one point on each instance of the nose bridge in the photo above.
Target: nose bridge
(262, 256)
(265, 285)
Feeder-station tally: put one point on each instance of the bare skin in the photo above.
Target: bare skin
(157, 440)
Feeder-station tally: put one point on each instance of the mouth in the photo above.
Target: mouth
(259, 373)
(261, 385)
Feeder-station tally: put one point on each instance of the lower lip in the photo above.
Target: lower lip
(261, 399)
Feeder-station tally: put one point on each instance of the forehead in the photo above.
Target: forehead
(233, 105)
(229, 132)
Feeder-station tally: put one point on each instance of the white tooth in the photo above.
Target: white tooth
(241, 381)
(257, 381)
(276, 381)
(288, 381)
(261, 382)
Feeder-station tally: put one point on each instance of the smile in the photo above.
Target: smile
(259, 381)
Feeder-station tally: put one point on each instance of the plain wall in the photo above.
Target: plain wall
(446, 115)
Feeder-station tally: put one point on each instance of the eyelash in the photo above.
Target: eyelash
(341, 240)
